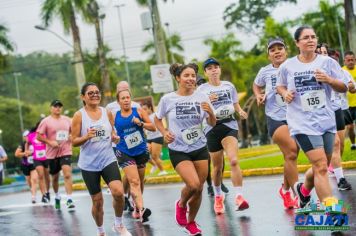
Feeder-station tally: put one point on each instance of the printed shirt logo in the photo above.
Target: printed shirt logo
(224, 97)
(188, 110)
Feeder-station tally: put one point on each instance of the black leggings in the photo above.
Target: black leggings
(208, 178)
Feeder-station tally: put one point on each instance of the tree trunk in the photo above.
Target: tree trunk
(350, 19)
(77, 54)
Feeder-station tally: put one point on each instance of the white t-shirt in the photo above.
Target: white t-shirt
(152, 134)
(224, 105)
(275, 106)
(185, 117)
(2, 154)
(310, 112)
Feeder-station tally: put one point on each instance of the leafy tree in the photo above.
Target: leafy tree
(6, 45)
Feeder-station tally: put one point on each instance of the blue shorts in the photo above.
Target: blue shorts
(311, 142)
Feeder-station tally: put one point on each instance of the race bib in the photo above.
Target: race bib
(336, 97)
(30, 160)
(62, 135)
(100, 134)
(279, 100)
(192, 135)
(41, 154)
(224, 111)
(313, 100)
(133, 140)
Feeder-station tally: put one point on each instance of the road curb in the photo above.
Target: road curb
(249, 172)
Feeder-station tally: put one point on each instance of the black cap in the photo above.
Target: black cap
(210, 61)
(274, 41)
(200, 80)
(56, 103)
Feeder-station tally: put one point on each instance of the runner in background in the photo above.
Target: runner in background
(27, 166)
(3, 158)
(275, 109)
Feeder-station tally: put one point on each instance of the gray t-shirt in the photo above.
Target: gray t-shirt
(152, 134)
(2, 155)
(185, 116)
(275, 106)
(224, 105)
(310, 112)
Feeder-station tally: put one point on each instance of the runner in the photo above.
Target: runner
(305, 82)
(275, 109)
(3, 158)
(114, 107)
(92, 130)
(185, 111)
(131, 151)
(223, 137)
(154, 142)
(350, 61)
(27, 167)
(54, 130)
(38, 151)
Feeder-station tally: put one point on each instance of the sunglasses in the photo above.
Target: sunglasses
(94, 93)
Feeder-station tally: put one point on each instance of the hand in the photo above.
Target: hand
(243, 114)
(322, 77)
(288, 96)
(351, 87)
(28, 153)
(213, 97)
(260, 98)
(207, 108)
(53, 143)
(136, 121)
(168, 137)
(115, 139)
(91, 133)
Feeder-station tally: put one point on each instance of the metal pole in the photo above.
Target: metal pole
(123, 43)
(19, 100)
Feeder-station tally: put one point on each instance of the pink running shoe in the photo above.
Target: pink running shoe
(331, 169)
(192, 228)
(136, 214)
(288, 202)
(241, 203)
(219, 207)
(181, 215)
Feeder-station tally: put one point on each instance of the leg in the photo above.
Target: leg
(133, 179)
(156, 149)
(34, 179)
(97, 208)
(231, 147)
(55, 185)
(117, 191)
(141, 173)
(218, 159)
(208, 178)
(67, 174)
(41, 178)
(351, 132)
(47, 178)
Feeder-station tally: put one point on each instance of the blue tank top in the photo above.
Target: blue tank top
(132, 139)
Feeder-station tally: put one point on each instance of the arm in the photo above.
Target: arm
(168, 136)
(146, 123)
(3, 158)
(239, 110)
(288, 96)
(40, 137)
(22, 153)
(336, 84)
(211, 118)
(78, 140)
(260, 97)
(114, 137)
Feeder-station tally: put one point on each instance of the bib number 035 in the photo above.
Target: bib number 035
(192, 135)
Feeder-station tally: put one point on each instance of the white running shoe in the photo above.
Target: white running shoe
(121, 229)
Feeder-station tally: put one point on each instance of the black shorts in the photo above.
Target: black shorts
(55, 165)
(347, 117)
(158, 140)
(92, 178)
(311, 142)
(340, 120)
(273, 125)
(353, 113)
(217, 134)
(197, 155)
(44, 163)
(125, 160)
(26, 170)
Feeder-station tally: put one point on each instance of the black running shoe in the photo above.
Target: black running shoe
(145, 213)
(44, 199)
(224, 188)
(128, 206)
(303, 200)
(48, 196)
(344, 185)
(210, 191)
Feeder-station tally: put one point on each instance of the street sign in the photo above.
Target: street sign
(161, 78)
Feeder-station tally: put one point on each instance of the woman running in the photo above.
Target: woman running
(92, 130)
(275, 109)
(154, 142)
(223, 137)
(131, 151)
(27, 167)
(306, 82)
(185, 111)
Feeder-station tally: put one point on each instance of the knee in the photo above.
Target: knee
(292, 155)
(98, 204)
(67, 176)
(234, 162)
(117, 193)
(194, 187)
(134, 182)
(320, 167)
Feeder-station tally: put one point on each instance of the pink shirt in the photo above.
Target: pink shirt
(57, 129)
(39, 148)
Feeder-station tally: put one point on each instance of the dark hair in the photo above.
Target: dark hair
(349, 53)
(33, 129)
(299, 31)
(86, 85)
(149, 105)
(176, 69)
(320, 45)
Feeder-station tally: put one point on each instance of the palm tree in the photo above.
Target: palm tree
(65, 10)
(174, 48)
(5, 46)
(350, 19)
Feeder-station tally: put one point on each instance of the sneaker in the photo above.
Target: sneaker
(344, 185)
(296, 202)
(70, 204)
(288, 202)
(331, 169)
(219, 206)
(121, 229)
(57, 203)
(181, 215)
(303, 200)
(163, 172)
(44, 199)
(128, 206)
(153, 169)
(241, 203)
(145, 213)
(48, 196)
(192, 228)
(224, 188)
(136, 214)
(210, 191)
(33, 200)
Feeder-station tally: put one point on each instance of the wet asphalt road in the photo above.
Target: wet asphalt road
(264, 217)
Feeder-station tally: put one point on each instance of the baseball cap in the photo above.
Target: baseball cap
(56, 102)
(274, 41)
(210, 61)
(25, 133)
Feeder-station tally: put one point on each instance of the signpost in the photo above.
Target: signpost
(161, 78)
